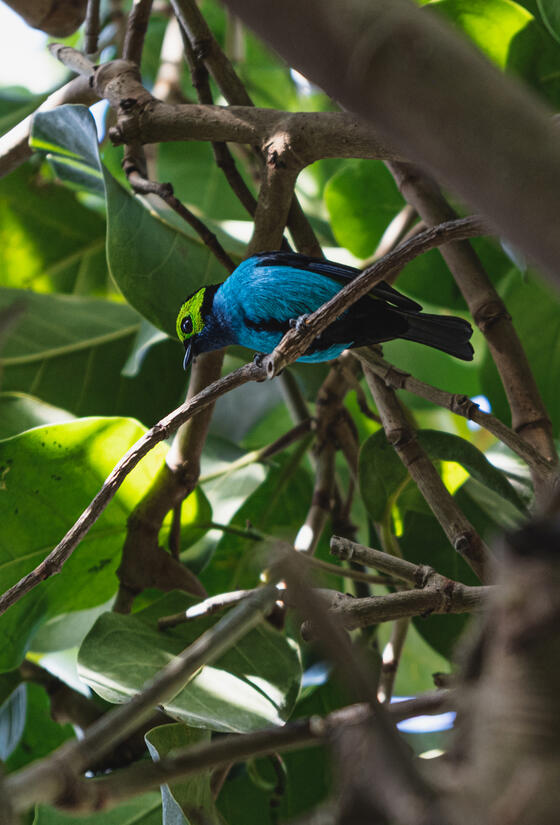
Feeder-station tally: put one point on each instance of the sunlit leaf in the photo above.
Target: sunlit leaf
(48, 477)
(254, 684)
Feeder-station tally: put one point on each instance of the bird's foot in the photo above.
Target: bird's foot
(258, 359)
(299, 323)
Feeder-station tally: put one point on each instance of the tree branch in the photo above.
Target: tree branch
(460, 532)
(460, 405)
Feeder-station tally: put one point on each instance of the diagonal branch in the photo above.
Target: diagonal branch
(290, 348)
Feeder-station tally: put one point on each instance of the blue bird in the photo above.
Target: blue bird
(267, 293)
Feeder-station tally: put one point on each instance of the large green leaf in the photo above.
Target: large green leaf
(382, 473)
(362, 199)
(141, 810)
(70, 351)
(255, 683)
(48, 239)
(41, 735)
(49, 475)
(154, 265)
(185, 800)
(550, 12)
(508, 34)
(535, 310)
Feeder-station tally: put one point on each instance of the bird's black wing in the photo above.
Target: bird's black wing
(338, 272)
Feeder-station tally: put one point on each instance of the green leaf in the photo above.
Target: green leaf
(48, 239)
(550, 12)
(154, 265)
(362, 199)
(381, 473)
(198, 181)
(70, 351)
(12, 721)
(508, 34)
(41, 736)
(424, 542)
(142, 810)
(428, 279)
(448, 447)
(254, 684)
(20, 412)
(189, 799)
(535, 310)
(15, 105)
(48, 476)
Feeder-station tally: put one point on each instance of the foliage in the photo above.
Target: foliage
(99, 273)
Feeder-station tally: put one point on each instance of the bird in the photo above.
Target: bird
(270, 292)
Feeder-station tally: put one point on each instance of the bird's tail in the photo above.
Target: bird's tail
(445, 332)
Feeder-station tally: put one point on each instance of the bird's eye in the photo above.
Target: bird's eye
(187, 325)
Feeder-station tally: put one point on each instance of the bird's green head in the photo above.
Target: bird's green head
(190, 323)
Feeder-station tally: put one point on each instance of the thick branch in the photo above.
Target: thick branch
(528, 413)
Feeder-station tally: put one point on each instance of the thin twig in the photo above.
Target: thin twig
(214, 604)
(460, 405)
(345, 572)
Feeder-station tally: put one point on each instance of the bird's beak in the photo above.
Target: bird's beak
(188, 355)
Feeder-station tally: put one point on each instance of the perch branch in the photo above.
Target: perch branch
(298, 342)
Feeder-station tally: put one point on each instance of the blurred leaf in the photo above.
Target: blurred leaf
(41, 736)
(428, 279)
(70, 352)
(12, 721)
(550, 12)
(362, 199)
(191, 796)
(48, 239)
(508, 34)
(49, 475)
(20, 412)
(381, 473)
(255, 683)
(154, 265)
(15, 105)
(535, 310)
(142, 810)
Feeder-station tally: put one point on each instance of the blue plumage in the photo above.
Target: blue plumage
(257, 304)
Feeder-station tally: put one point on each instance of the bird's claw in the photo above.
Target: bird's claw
(258, 359)
(299, 323)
